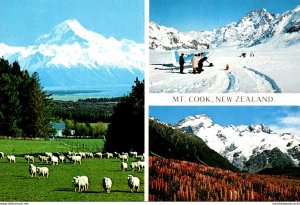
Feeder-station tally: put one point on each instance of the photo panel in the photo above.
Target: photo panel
(72, 101)
(224, 153)
(224, 46)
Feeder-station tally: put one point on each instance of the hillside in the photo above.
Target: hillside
(167, 141)
(179, 180)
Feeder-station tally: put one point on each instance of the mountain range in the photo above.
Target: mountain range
(256, 27)
(71, 57)
(251, 148)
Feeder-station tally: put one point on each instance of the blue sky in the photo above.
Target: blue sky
(199, 15)
(21, 22)
(279, 118)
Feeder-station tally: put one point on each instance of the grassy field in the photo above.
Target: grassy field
(19, 186)
(21, 147)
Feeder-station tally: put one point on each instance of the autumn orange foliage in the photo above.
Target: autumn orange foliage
(175, 180)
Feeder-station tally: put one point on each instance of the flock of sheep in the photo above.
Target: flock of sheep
(81, 183)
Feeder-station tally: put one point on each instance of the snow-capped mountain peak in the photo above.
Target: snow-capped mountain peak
(73, 55)
(68, 32)
(239, 144)
(256, 27)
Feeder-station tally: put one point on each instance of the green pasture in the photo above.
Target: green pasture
(22, 147)
(18, 185)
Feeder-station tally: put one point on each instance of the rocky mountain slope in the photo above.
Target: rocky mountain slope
(248, 147)
(256, 27)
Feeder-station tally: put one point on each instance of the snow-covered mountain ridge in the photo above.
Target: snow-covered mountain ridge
(71, 55)
(248, 147)
(256, 27)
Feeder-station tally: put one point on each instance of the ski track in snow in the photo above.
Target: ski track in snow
(212, 79)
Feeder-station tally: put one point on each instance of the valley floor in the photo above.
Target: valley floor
(273, 69)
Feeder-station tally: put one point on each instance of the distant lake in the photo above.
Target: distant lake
(74, 95)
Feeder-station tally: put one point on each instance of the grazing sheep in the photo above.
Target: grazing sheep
(124, 166)
(75, 159)
(81, 183)
(11, 158)
(89, 155)
(123, 157)
(133, 183)
(82, 154)
(141, 165)
(42, 171)
(126, 153)
(1, 155)
(43, 158)
(71, 153)
(54, 160)
(32, 170)
(48, 154)
(133, 154)
(62, 158)
(108, 155)
(29, 158)
(98, 154)
(140, 157)
(116, 155)
(134, 166)
(107, 184)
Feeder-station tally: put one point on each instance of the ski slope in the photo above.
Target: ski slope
(273, 69)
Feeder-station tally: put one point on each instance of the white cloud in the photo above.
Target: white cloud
(288, 124)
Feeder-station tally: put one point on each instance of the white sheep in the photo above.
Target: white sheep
(32, 170)
(123, 157)
(124, 166)
(98, 154)
(81, 183)
(43, 158)
(11, 158)
(141, 165)
(54, 160)
(42, 171)
(29, 158)
(1, 155)
(107, 184)
(89, 155)
(133, 183)
(133, 154)
(75, 159)
(116, 155)
(62, 158)
(134, 166)
(71, 153)
(140, 157)
(82, 154)
(48, 154)
(108, 155)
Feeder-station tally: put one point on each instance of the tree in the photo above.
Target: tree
(36, 110)
(25, 109)
(126, 130)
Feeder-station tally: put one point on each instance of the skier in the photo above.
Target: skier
(181, 62)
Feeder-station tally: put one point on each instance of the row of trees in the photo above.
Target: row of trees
(96, 130)
(25, 109)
